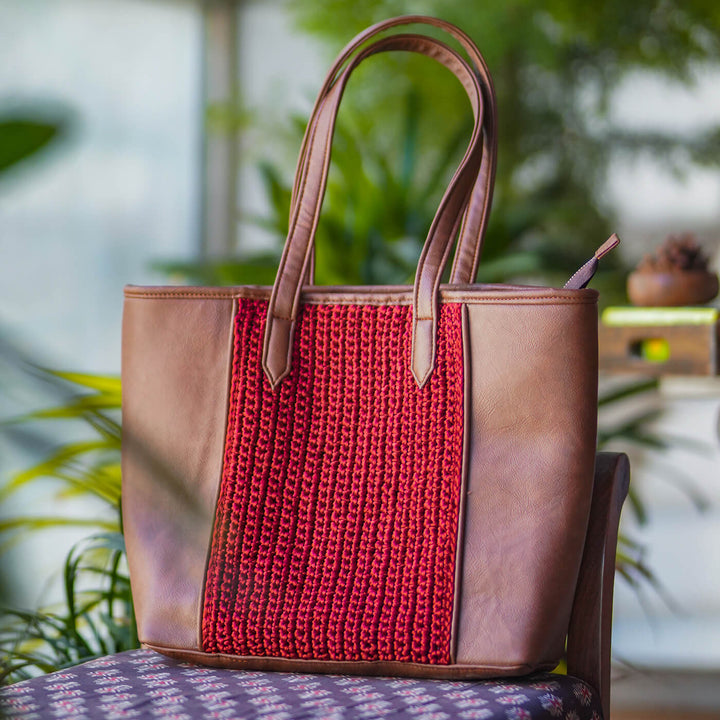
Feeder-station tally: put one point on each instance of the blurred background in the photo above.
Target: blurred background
(154, 141)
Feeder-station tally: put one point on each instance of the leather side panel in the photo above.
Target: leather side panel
(175, 369)
(533, 375)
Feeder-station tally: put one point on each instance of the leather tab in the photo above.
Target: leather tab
(423, 350)
(277, 356)
(610, 244)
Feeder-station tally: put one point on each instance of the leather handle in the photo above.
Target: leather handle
(284, 301)
(475, 219)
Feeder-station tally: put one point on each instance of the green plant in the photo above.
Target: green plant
(95, 620)
(556, 65)
(96, 614)
(632, 407)
(374, 215)
(22, 137)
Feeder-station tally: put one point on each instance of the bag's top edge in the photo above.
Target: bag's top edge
(373, 295)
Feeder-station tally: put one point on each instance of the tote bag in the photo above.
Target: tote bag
(381, 480)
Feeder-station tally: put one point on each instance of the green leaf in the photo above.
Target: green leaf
(256, 270)
(630, 390)
(56, 464)
(105, 384)
(36, 523)
(77, 407)
(20, 138)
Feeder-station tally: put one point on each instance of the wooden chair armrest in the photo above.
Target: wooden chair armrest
(589, 634)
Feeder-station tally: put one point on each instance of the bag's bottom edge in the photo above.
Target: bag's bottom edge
(349, 667)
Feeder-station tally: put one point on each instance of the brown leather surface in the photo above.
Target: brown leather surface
(534, 388)
(176, 363)
(377, 668)
(180, 338)
(423, 349)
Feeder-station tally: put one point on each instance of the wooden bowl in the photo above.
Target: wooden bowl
(669, 289)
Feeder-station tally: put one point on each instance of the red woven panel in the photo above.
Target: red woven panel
(336, 524)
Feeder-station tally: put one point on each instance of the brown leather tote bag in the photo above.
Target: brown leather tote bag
(380, 480)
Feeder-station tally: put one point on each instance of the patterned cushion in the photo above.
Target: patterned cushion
(143, 684)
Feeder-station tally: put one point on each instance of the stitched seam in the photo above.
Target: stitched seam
(295, 662)
(152, 294)
(334, 300)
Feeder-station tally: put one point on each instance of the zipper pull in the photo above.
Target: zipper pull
(585, 274)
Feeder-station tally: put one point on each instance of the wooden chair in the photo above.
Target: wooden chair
(589, 635)
(143, 684)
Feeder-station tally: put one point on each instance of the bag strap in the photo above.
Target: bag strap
(475, 219)
(470, 236)
(284, 301)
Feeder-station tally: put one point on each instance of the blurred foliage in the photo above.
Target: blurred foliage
(555, 66)
(25, 131)
(632, 428)
(95, 619)
(88, 468)
(633, 408)
(404, 124)
(28, 129)
(20, 138)
(96, 615)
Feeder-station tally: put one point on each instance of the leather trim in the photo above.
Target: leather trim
(375, 668)
(277, 362)
(422, 352)
(377, 295)
(467, 410)
(176, 356)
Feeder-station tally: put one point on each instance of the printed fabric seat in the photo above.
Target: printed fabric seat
(144, 684)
